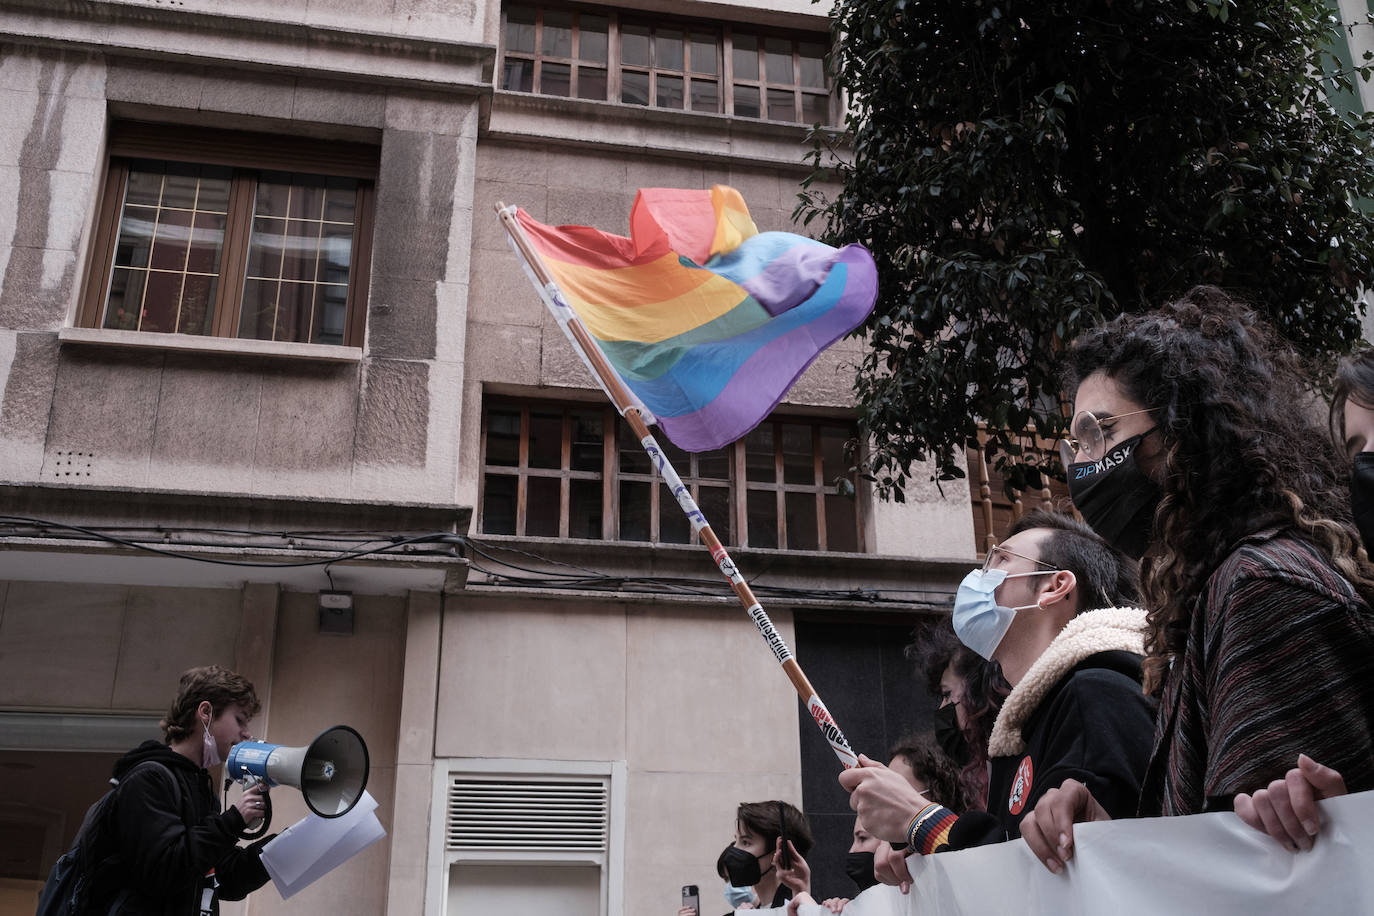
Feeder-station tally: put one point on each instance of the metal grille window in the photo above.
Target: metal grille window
(602, 54)
(517, 813)
(554, 470)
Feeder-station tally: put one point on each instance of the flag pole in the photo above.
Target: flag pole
(620, 396)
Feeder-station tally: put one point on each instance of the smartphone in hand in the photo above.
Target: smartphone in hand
(691, 898)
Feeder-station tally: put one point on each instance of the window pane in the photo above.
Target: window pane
(778, 54)
(715, 505)
(673, 527)
(498, 504)
(782, 105)
(801, 522)
(746, 101)
(798, 465)
(207, 239)
(331, 312)
(136, 227)
(812, 59)
(307, 202)
(555, 79)
(546, 439)
(179, 190)
(679, 459)
(633, 458)
(634, 511)
(758, 456)
(669, 91)
(197, 304)
(143, 188)
(557, 35)
(705, 95)
(745, 56)
(520, 29)
(714, 465)
(336, 254)
(160, 302)
(518, 75)
(668, 49)
(258, 314)
(815, 108)
(295, 311)
(266, 248)
(171, 239)
(841, 527)
(834, 464)
(273, 199)
(591, 83)
(503, 437)
(634, 45)
(541, 507)
(763, 518)
(302, 248)
(591, 40)
(634, 87)
(126, 299)
(584, 509)
(705, 54)
(586, 442)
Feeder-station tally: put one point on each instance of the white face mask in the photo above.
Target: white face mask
(979, 621)
(209, 751)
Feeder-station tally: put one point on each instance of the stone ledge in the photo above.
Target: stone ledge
(194, 343)
(318, 51)
(546, 120)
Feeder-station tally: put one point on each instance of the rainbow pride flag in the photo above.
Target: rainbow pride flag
(707, 320)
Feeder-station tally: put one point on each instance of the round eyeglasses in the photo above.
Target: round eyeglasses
(1086, 436)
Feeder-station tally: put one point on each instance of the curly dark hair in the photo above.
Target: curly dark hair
(932, 766)
(937, 648)
(1240, 453)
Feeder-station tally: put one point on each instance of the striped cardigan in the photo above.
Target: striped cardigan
(1279, 661)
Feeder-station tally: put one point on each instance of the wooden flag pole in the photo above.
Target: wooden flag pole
(615, 389)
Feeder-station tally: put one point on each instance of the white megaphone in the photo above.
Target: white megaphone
(331, 772)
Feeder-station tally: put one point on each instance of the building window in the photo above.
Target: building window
(574, 471)
(228, 234)
(694, 66)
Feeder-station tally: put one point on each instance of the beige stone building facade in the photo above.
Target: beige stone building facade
(261, 337)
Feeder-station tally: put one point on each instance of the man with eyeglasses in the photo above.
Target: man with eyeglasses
(1051, 605)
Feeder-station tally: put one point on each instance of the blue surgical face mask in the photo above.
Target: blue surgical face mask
(738, 896)
(979, 621)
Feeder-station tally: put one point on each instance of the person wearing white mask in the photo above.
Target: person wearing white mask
(1049, 605)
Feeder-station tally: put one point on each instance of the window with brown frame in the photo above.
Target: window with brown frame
(229, 234)
(602, 54)
(577, 471)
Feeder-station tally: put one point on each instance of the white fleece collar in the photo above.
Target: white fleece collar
(1104, 630)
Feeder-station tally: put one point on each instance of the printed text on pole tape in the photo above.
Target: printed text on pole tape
(769, 633)
(675, 484)
(832, 732)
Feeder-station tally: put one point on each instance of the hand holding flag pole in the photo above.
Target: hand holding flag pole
(631, 408)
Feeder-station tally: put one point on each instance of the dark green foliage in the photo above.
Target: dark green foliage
(1021, 170)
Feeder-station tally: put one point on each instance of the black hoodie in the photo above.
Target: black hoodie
(169, 838)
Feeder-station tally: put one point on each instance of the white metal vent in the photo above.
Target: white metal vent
(536, 813)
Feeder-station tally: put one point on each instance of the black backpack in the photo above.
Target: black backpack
(71, 884)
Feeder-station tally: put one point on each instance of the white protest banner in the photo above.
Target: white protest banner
(1207, 863)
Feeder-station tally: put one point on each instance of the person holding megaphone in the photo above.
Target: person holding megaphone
(169, 849)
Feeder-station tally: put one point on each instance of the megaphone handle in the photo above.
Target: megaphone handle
(249, 780)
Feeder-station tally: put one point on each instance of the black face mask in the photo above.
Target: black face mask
(741, 869)
(950, 736)
(859, 867)
(1362, 497)
(1116, 498)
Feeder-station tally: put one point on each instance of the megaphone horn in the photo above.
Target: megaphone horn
(331, 772)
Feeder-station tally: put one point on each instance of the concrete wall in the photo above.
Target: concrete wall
(689, 697)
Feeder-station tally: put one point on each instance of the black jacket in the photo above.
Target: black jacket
(1094, 724)
(168, 838)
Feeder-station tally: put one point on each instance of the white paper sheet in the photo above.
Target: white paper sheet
(314, 846)
(1208, 863)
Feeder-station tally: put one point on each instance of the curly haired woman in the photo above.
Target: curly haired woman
(1194, 448)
